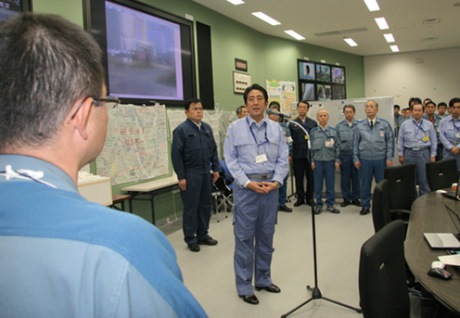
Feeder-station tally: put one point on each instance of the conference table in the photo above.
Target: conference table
(429, 214)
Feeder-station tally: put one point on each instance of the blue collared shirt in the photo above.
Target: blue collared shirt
(246, 140)
(417, 135)
(449, 132)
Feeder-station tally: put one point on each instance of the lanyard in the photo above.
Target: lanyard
(419, 127)
(254, 136)
(324, 132)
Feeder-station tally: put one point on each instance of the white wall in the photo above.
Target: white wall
(434, 74)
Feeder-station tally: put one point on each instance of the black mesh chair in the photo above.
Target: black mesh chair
(381, 215)
(402, 189)
(382, 274)
(441, 174)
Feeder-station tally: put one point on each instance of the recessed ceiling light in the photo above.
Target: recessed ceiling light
(372, 5)
(382, 23)
(389, 37)
(236, 2)
(394, 48)
(266, 18)
(294, 34)
(350, 42)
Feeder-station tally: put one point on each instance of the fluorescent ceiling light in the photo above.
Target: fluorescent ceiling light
(382, 23)
(389, 37)
(350, 42)
(372, 5)
(266, 18)
(394, 48)
(236, 2)
(294, 34)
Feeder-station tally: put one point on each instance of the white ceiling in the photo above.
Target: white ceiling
(327, 22)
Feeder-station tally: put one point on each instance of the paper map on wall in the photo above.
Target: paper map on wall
(136, 146)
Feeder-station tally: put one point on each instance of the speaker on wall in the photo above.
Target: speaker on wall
(205, 79)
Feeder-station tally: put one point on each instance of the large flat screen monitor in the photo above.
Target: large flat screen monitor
(9, 8)
(148, 53)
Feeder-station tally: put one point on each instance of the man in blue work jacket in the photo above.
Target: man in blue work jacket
(349, 175)
(257, 157)
(373, 150)
(417, 144)
(449, 132)
(194, 155)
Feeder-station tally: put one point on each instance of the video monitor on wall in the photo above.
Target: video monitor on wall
(338, 75)
(307, 91)
(10, 8)
(323, 73)
(339, 92)
(306, 70)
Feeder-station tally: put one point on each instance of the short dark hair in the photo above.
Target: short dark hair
(453, 101)
(397, 106)
(46, 64)
(442, 104)
(191, 101)
(303, 101)
(274, 104)
(430, 102)
(254, 87)
(349, 106)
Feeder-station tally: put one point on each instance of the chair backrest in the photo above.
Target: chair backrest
(381, 215)
(224, 172)
(401, 185)
(441, 174)
(382, 274)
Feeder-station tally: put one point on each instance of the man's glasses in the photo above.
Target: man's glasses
(97, 102)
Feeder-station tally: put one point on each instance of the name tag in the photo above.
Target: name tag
(426, 138)
(261, 158)
(382, 133)
(329, 143)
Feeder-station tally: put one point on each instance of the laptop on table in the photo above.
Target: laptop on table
(445, 240)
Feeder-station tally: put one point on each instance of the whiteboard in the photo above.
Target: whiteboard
(335, 107)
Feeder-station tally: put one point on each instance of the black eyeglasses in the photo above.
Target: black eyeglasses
(100, 101)
(97, 102)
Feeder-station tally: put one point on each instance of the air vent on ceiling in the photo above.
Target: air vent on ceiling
(339, 32)
(431, 21)
(457, 4)
(431, 39)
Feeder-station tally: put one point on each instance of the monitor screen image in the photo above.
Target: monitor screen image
(338, 75)
(323, 73)
(339, 92)
(323, 92)
(307, 91)
(306, 70)
(10, 8)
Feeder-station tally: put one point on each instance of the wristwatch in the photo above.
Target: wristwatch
(277, 184)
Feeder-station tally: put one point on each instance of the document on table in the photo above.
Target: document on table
(450, 259)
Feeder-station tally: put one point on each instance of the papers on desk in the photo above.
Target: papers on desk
(453, 260)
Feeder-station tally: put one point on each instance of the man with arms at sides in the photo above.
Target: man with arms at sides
(63, 256)
(449, 132)
(373, 150)
(282, 191)
(241, 111)
(257, 157)
(349, 174)
(194, 155)
(417, 144)
(300, 155)
(442, 110)
(431, 116)
(325, 152)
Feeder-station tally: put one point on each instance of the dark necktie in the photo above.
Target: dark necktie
(372, 124)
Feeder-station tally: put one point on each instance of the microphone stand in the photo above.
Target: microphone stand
(315, 292)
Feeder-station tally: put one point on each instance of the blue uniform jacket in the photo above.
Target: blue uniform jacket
(374, 144)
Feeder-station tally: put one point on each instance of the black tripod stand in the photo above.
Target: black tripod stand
(315, 292)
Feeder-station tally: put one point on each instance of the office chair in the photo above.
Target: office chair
(382, 274)
(222, 197)
(441, 174)
(381, 213)
(402, 189)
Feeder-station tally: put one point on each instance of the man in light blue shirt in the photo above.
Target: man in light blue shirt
(373, 150)
(63, 256)
(449, 132)
(417, 144)
(257, 157)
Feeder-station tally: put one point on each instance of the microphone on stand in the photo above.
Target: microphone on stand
(281, 115)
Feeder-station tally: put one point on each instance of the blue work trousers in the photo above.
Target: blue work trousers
(324, 170)
(349, 178)
(254, 220)
(419, 158)
(370, 169)
(282, 192)
(197, 202)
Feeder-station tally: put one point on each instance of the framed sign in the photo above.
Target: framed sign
(241, 65)
(240, 82)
